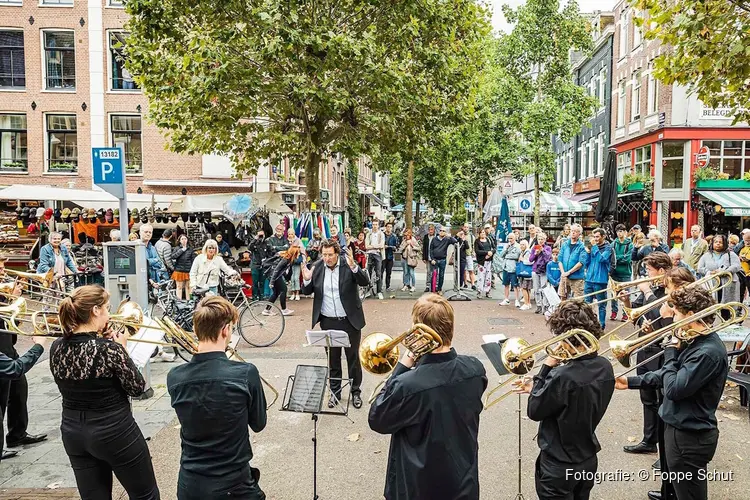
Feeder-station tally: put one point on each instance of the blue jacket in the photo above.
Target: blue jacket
(570, 255)
(597, 265)
(47, 259)
(155, 267)
(553, 273)
(391, 243)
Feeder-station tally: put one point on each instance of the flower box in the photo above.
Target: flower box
(636, 186)
(723, 184)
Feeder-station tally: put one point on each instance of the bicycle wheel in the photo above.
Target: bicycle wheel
(261, 323)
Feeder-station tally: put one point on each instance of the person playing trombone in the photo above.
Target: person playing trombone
(692, 378)
(569, 401)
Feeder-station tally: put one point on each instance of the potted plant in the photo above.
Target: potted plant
(15, 166)
(635, 181)
(710, 178)
(62, 166)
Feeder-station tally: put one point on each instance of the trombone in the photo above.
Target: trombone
(232, 352)
(378, 352)
(518, 356)
(617, 287)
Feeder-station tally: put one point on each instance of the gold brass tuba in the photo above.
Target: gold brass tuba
(518, 355)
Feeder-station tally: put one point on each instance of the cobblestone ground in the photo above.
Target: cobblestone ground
(351, 458)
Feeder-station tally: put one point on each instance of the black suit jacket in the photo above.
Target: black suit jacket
(348, 282)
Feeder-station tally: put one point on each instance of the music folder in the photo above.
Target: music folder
(492, 347)
(327, 338)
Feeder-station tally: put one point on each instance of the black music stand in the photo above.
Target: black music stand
(458, 294)
(493, 349)
(328, 339)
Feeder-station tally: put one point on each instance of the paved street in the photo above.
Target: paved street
(351, 458)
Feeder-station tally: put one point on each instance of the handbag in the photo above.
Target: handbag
(523, 270)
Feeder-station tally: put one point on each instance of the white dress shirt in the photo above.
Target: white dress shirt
(332, 306)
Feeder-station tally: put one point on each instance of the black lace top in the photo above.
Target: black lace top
(94, 373)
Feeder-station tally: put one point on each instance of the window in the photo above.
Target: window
(12, 67)
(571, 165)
(126, 134)
(592, 162)
(62, 143)
(559, 171)
(601, 153)
(11, 2)
(582, 162)
(59, 60)
(621, 104)
(673, 153)
(121, 77)
(116, 3)
(57, 2)
(653, 90)
(623, 165)
(602, 86)
(637, 32)
(635, 100)
(643, 160)
(623, 34)
(730, 157)
(13, 143)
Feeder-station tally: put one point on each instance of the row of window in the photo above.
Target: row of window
(628, 24)
(592, 157)
(597, 87)
(652, 96)
(59, 60)
(62, 142)
(110, 3)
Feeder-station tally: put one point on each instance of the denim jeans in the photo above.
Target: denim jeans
(410, 278)
(375, 269)
(539, 281)
(440, 265)
(597, 287)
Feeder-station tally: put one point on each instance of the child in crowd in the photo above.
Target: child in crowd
(553, 269)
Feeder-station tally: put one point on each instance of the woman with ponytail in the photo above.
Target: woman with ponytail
(96, 377)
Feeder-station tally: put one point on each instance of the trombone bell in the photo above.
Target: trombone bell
(372, 360)
(512, 359)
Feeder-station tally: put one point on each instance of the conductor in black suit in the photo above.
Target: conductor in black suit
(336, 306)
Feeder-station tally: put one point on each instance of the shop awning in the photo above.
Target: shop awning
(215, 202)
(81, 197)
(551, 203)
(734, 203)
(374, 198)
(585, 196)
(400, 208)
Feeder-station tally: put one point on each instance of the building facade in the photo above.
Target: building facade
(658, 131)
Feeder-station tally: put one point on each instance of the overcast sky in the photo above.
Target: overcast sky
(498, 21)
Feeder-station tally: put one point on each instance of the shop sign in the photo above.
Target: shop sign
(593, 184)
(566, 192)
(737, 212)
(716, 113)
(703, 156)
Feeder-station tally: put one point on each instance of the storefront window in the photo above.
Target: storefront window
(673, 153)
(730, 157)
(643, 160)
(623, 165)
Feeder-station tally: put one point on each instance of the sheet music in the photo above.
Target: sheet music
(495, 337)
(140, 352)
(320, 338)
(308, 389)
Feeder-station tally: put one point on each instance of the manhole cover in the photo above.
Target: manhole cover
(503, 321)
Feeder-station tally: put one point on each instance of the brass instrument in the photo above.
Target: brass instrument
(14, 311)
(232, 352)
(518, 355)
(624, 349)
(378, 352)
(45, 280)
(616, 287)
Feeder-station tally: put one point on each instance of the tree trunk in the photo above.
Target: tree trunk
(537, 200)
(416, 214)
(312, 176)
(480, 209)
(408, 215)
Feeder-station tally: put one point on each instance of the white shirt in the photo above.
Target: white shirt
(377, 241)
(332, 306)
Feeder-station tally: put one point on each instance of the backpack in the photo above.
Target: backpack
(268, 265)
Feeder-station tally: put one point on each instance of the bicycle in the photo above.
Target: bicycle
(261, 323)
(371, 289)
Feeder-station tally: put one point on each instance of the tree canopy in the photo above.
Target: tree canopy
(258, 80)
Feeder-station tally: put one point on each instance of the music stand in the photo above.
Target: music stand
(328, 339)
(308, 386)
(458, 294)
(493, 349)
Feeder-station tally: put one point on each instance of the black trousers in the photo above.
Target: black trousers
(688, 453)
(461, 272)
(194, 487)
(388, 265)
(650, 401)
(99, 443)
(14, 395)
(667, 489)
(354, 368)
(558, 480)
(375, 269)
(279, 291)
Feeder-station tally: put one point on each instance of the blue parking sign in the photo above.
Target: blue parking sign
(109, 170)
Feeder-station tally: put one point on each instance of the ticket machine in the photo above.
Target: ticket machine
(125, 272)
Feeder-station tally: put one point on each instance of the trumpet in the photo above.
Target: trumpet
(378, 352)
(518, 356)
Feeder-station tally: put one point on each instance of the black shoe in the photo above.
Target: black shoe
(333, 401)
(9, 454)
(654, 495)
(538, 310)
(642, 447)
(27, 439)
(657, 465)
(427, 289)
(357, 401)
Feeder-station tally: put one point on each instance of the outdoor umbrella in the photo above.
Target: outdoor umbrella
(606, 209)
(492, 207)
(504, 225)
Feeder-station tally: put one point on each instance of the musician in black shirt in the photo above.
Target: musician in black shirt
(216, 400)
(656, 265)
(569, 401)
(432, 411)
(692, 378)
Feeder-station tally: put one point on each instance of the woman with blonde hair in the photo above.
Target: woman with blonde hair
(277, 280)
(96, 377)
(207, 268)
(409, 249)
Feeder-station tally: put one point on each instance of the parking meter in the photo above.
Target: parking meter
(126, 272)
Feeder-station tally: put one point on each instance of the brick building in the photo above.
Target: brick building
(658, 131)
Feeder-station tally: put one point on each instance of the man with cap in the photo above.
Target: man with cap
(439, 254)
(745, 234)
(695, 246)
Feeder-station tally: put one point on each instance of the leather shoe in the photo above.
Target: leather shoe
(642, 447)
(27, 439)
(9, 454)
(654, 495)
(333, 401)
(357, 401)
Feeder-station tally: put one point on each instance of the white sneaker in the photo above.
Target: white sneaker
(380, 296)
(287, 312)
(518, 304)
(167, 357)
(505, 302)
(525, 307)
(267, 312)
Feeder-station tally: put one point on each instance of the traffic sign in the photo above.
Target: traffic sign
(109, 170)
(469, 207)
(703, 157)
(526, 204)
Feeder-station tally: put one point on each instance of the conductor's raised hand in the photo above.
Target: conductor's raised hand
(350, 258)
(307, 273)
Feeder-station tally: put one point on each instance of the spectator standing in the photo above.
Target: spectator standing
(695, 246)
(654, 244)
(541, 254)
(623, 249)
(375, 245)
(524, 274)
(164, 250)
(563, 236)
(439, 253)
(717, 260)
(340, 237)
(553, 270)
(294, 281)
(744, 255)
(470, 256)
(182, 261)
(278, 242)
(259, 250)
(598, 259)
(461, 239)
(571, 259)
(639, 239)
(359, 250)
(426, 256)
(409, 249)
(734, 240)
(510, 255)
(391, 245)
(483, 250)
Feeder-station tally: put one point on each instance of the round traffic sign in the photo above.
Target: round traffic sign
(525, 204)
(703, 157)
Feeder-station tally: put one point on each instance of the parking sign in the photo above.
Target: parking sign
(109, 170)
